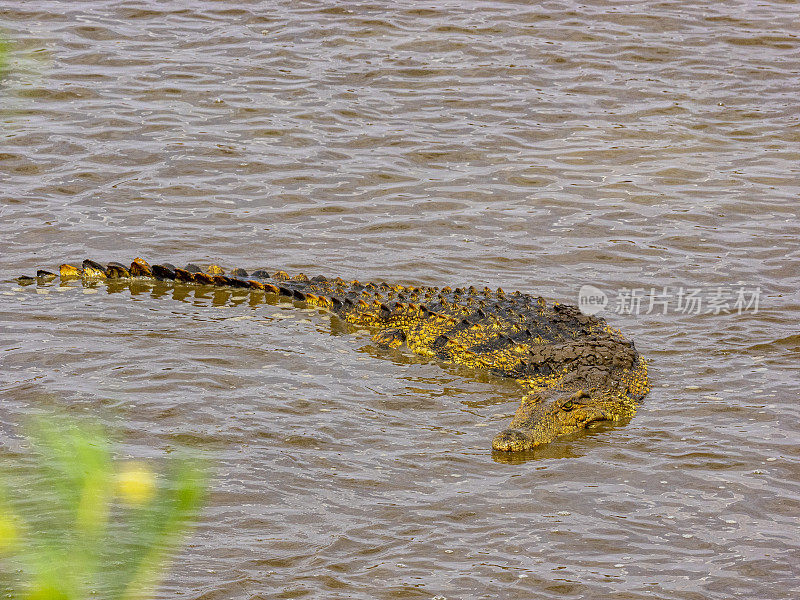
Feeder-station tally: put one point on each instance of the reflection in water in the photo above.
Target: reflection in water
(560, 450)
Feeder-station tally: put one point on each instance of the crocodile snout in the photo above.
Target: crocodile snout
(512, 440)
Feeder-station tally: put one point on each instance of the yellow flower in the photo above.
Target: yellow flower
(8, 533)
(136, 484)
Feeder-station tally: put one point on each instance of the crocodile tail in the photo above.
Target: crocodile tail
(342, 297)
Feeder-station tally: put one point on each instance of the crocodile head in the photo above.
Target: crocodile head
(541, 420)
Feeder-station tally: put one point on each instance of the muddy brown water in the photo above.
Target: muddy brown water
(539, 147)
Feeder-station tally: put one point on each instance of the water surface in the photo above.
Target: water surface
(534, 147)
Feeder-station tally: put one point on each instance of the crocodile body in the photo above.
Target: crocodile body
(575, 370)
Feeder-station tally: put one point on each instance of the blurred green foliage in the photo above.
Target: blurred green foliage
(76, 523)
(4, 50)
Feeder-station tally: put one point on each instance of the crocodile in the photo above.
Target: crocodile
(574, 369)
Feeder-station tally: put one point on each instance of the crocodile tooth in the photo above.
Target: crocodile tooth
(46, 275)
(215, 270)
(193, 268)
(239, 273)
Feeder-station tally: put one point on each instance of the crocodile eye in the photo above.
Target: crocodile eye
(568, 405)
